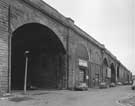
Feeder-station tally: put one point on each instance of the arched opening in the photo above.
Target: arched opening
(118, 73)
(128, 78)
(105, 70)
(82, 57)
(81, 52)
(113, 73)
(45, 58)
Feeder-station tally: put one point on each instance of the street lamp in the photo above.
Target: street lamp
(26, 70)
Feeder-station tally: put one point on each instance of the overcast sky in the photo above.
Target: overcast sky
(111, 22)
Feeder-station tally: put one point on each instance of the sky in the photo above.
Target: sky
(111, 22)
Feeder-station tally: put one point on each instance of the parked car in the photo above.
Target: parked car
(81, 86)
(102, 85)
(119, 83)
(126, 83)
(112, 84)
(130, 82)
(133, 85)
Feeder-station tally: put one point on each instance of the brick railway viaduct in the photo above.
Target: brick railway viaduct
(61, 55)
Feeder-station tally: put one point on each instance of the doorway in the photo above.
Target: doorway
(113, 74)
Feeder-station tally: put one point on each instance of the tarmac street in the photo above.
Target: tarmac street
(92, 97)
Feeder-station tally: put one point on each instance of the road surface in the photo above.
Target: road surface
(92, 97)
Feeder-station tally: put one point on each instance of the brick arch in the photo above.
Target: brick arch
(105, 66)
(45, 49)
(105, 61)
(41, 26)
(84, 49)
(112, 63)
(118, 71)
(96, 57)
(15, 24)
(113, 72)
(81, 71)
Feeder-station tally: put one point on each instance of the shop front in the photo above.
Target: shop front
(82, 82)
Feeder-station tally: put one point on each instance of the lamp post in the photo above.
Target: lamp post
(26, 70)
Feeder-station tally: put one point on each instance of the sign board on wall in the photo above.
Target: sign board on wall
(108, 72)
(83, 63)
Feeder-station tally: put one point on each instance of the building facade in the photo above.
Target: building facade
(59, 54)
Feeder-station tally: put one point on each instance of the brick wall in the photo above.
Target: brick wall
(4, 45)
(94, 61)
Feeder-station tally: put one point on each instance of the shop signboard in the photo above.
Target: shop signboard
(83, 63)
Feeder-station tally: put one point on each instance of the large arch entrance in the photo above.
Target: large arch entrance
(45, 58)
(105, 70)
(113, 73)
(82, 58)
(118, 73)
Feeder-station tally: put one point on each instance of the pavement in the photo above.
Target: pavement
(128, 101)
(115, 96)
